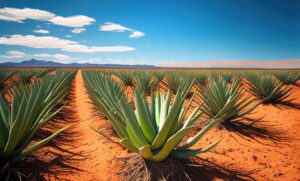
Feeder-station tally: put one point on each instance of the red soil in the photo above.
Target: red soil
(268, 151)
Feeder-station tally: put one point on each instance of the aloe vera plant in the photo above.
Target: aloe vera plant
(227, 77)
(268, 89)
(159, 75)
(174, 79)
(218, 94)
(31, 108)
(144, 81)
(155, 130)
(109, 88)
(26, 75)
(4, 76)
(200, 78)
(126, 77)
(43, 72)
(287, 77)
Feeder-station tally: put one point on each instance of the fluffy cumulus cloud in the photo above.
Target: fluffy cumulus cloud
(78, 30)
(41, 31)
(136, 34)
(57, 43)
(72, 21)
(14, 54)
(113, 27)
(120, 28)
(20, 15)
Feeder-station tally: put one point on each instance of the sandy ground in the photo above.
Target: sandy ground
(269, 150)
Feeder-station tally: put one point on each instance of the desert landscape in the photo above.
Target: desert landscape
(183, 90)
(263, 144)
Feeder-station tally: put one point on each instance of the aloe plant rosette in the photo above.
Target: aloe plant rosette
(218, 93)
(155, 130)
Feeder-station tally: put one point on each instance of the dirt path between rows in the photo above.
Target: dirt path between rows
(81, 153)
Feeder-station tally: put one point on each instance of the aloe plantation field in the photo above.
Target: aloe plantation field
(149, 124)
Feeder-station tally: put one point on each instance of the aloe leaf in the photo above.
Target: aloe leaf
(162, 134)
(169, 145)
(127, 144)
(145, 151)
(186, 153)
(192, 141)
(38, 145)
(144, 119)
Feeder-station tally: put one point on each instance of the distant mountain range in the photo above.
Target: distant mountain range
(240, 64)
(51, 64)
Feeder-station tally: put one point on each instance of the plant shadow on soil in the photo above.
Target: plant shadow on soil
(172, 169)
(257, 130)
(261, 130)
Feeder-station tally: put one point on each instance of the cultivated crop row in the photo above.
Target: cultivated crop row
(34, 102)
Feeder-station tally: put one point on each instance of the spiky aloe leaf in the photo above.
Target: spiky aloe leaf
(185, 153)
(37, 146)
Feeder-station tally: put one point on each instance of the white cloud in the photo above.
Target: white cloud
(19, 15)
(73, 21)
(14, 54)
(119, 28)
(52, 56)
(68, 36)
(41, 31)
(18, 54)
(136, 34)
(113, 27)
(57, 43)
(78, 30)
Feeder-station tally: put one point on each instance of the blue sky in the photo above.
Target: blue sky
(149, 32)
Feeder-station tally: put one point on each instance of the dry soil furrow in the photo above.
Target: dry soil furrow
(92, 155)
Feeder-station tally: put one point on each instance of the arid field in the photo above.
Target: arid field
(127, 124)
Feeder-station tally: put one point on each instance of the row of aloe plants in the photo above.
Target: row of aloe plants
(15, 76)
(266, 86)
(30, 109)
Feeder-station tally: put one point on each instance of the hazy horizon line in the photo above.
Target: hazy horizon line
(281, 63)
